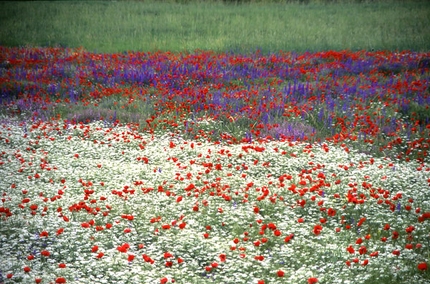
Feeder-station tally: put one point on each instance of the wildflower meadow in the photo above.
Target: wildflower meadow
(203, 167)
(230, 141)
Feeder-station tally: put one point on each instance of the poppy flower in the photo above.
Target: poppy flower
(222, 257)
(317, 229)
(259, 257)
(60, 280)
(169, 263)
(374, 254)
(123, 248)
(280, 273)
(312, 280)
(60, 231)
(45, 253)
(362, 250)
(422, 266)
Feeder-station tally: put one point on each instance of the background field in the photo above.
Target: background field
(108, 26)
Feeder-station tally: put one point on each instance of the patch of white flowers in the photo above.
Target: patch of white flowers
(122, 172)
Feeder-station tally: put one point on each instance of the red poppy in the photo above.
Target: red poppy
(60, 280)
(317, 229)
(222, 257)
(123, 248)
(27, 269)
(362, 250)
(312, 280)
(62, 265)
(409, 246)
(280, 273)
(374, 254)
(45, 253)
(259, 257)
(169, 263)
(422, 266)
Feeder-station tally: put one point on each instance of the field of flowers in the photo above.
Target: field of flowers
(214, 167)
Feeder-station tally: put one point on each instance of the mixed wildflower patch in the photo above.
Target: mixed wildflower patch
(214, 168)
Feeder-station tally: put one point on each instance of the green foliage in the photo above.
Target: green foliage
(110, 26)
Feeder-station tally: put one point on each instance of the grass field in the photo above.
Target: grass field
(109, 26)
(301, 157)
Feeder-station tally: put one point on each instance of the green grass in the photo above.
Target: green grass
(105, 26)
